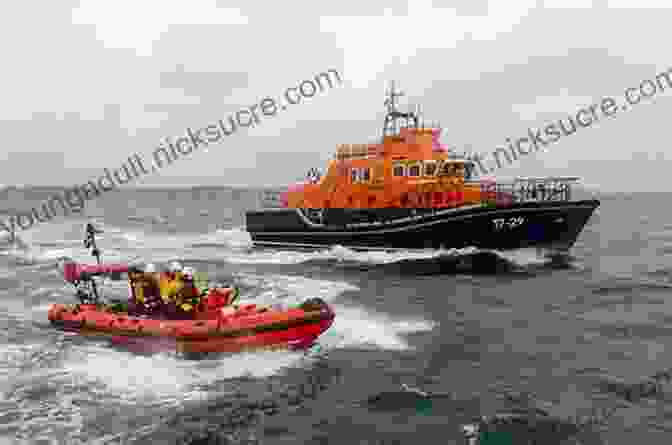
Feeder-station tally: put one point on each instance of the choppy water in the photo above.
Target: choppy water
(515, 324)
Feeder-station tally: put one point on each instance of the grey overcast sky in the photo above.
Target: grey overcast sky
(86, 84)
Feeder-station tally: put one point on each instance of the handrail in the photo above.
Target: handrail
(549, 178)
(530, 189)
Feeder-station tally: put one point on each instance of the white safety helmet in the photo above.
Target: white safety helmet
(175, 266)
(150, 268)
(188, 272)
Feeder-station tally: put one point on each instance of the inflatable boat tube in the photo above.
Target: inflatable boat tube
(232, 329)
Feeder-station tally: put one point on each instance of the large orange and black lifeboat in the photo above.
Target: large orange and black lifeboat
(216, 324)
(409, 191)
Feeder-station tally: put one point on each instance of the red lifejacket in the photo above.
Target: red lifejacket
(218, 298)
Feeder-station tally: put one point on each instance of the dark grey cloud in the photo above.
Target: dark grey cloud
(85, 96)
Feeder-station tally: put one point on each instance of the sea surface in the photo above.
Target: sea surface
(488, 333)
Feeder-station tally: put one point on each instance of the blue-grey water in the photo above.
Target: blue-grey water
(554, 330)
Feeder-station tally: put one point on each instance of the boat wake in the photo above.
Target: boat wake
(234, 246)
(167, 378)
(355, 326)
(467, 260)
(441, 263)
(236, 238)
(124, 377)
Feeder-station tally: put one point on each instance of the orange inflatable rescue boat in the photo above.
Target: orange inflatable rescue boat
(214, 324)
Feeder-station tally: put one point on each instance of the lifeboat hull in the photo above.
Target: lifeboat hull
(245, 329)
(552, 225)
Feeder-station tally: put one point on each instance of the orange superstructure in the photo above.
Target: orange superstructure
(408, 169)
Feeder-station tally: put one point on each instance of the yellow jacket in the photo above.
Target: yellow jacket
(140, 283)
(171, 288)
(138, 290)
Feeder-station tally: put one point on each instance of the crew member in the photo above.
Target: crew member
(189, 295)
(171, 283)
(145, 292)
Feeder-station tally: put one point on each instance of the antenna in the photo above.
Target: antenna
(390, 102)
(12, 237)
(421, 119)
(90, 241)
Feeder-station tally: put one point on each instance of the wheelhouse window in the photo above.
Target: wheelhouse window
(447, 169)
(459, 170)
(430, 168)
(398, 169)
(414, 170)
(360, 175)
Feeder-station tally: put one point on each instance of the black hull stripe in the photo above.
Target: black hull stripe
(432, 223)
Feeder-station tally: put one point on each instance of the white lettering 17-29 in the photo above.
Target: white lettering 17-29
(508, 223)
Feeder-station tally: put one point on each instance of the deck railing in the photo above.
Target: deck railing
(528, 190)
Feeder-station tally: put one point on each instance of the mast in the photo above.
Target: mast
(12, 235)
(90, 243)
(394, 117)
